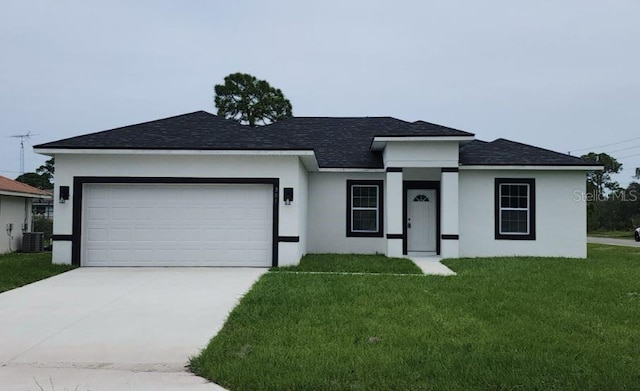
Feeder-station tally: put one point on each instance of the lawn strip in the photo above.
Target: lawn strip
(503, 323)
(353, 263)
(18, 269)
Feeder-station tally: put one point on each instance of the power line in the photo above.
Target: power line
(605, 145)
(625, 157)
(624, 149)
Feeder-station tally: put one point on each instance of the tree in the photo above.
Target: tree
(249, 101)
(35, 180)
(47, 169)
(601, 180)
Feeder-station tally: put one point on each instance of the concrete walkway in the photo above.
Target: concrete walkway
(613, 242)
(115, 328)
(431, 265)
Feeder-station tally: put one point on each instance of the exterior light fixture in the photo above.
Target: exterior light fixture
(64, 194)
(288, 195)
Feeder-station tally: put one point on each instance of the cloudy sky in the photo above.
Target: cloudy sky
(560, 74)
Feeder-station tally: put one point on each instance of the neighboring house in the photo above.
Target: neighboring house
(43, 207)
(15, 212)
(197, 189)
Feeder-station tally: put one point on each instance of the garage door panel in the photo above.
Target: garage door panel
(98, 234)
(97, 213)
(177, 225)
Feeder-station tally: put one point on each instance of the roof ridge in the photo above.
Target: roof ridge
(441, 126)
(347, 117)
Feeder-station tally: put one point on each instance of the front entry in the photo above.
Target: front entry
(421, 220)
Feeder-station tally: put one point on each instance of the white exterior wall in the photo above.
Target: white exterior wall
(449, 214)
(393, 212)
(421, 174)
(421, 154)
(286, 168)
(561, 220)
(291, 252)
(301, 198)
(328, 215)
(16, 211)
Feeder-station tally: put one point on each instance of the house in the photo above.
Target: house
(199, 190)
(43, 207)
(15, 212)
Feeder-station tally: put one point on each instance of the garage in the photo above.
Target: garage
(185, 224)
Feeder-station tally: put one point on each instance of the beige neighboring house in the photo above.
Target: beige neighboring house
(16, 200)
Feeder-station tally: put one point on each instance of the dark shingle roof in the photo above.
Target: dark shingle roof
(345, 142)
(337, 142)
(502, 152)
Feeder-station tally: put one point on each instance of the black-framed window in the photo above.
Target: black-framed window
(365, 208)
(515, 208)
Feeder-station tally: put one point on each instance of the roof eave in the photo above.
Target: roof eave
(24, 195)
(538, 167)
(307, 156)
(172, 151)
(380, 142)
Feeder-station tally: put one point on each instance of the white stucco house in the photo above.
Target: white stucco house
(15, 212)
(199, 190)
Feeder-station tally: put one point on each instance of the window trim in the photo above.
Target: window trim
(531, 209)
(380, 209)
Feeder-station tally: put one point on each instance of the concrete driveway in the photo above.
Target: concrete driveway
(115, 328)
(614, 242)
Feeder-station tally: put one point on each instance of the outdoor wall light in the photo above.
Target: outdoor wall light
(288, 195)
(64, 194)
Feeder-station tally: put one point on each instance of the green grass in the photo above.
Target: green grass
(353, 263)
(17, 269)
(613, 234)
(501, 324)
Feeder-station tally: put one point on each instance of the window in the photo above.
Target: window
(515, 209)
(364, 208)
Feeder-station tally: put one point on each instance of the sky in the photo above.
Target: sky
(559, 74)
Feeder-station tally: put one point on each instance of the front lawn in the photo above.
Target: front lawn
(500, 324)
(613, 234)
(18, 269)
(353, 263)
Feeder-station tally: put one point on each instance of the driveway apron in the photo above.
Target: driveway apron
(115, 328)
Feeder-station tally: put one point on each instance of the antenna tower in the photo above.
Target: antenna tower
(23, 137)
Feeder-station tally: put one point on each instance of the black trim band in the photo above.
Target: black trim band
(393, 169)
(450, 237)
(62, 238)
(450, 169)
(395, 236)
(288, 239)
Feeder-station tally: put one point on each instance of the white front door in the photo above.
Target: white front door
(421, 220)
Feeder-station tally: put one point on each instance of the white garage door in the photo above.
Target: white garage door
(177, 225)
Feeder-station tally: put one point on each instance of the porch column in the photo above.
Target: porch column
(393, 211)
(449, 237)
